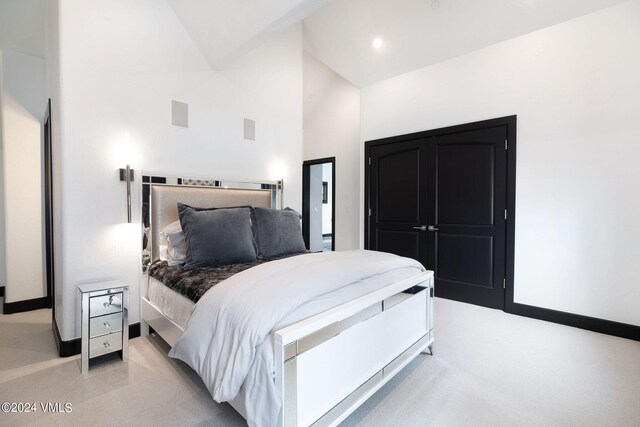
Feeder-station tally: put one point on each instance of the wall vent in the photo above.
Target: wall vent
(249, 129)
(179, 114)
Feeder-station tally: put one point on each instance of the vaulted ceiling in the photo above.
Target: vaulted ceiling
(22, 26)
(417, 33)
(340, 33)
(226, 29)
(412, 33)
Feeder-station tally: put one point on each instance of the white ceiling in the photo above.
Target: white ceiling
(226, 29)
(337, 32)
(22, 26)
(415, 34)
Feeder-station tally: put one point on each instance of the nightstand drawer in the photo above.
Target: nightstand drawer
(99, 306)
(105, 324)
(105, 344)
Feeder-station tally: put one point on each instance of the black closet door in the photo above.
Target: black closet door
(441, 199)
(398, 199)
(467, 196)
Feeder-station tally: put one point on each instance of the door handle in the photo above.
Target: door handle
(433, 228)
(421, 228)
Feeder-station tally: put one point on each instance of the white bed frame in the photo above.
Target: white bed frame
(329, 364)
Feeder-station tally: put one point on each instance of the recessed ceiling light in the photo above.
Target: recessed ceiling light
(377, 43)
(435, 5)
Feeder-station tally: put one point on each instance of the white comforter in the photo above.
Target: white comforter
(225, 339)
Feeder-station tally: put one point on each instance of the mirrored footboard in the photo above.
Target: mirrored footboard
(328, 370)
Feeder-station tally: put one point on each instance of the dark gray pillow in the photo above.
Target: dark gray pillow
(217, 237)
(277, 232)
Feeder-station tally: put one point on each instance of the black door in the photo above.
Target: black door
(398, 199)
(48, 210)
(441, 199)
(467, 195)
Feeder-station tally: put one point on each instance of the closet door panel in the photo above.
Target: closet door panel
(397, 199)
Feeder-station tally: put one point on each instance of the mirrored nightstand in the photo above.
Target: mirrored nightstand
(104, 314)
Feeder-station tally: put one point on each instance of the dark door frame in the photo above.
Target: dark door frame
(510, 122)
(306, 200)
(48, 210)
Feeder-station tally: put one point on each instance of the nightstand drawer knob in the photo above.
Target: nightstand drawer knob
(106, 344)
(106, 304)
(106, 325)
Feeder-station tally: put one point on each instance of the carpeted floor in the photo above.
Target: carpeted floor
(489, 369)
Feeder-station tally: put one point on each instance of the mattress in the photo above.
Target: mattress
(174, 306)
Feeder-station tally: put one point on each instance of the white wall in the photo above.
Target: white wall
(121, 64)
(576, 91)
(22, 109)
(52, 66)
(332, 129)
(3, 275)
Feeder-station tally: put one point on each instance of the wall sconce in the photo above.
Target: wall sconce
(281, 190)
(127, 175)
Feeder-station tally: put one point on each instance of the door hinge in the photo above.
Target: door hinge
(369, 161)
(504, 283)
(369, 211)
(506, 144)
(505, 214)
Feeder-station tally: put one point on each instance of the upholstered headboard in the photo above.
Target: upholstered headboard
(165, 198)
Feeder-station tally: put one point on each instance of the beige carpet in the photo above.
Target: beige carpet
(490, 369)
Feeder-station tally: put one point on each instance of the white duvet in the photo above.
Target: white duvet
(225, 341)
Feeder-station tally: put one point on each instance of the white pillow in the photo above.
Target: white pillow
(175, 249)
(164, 256)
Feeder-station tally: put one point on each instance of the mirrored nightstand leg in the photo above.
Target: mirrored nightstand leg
(85, 333)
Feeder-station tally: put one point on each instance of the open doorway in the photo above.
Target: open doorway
(318, 204)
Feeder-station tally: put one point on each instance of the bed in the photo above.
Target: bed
(325, 330)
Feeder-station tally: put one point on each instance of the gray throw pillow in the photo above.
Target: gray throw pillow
(277, 232)
(217, 237)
